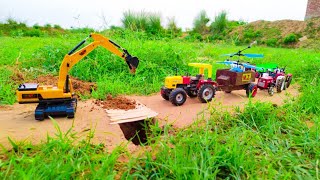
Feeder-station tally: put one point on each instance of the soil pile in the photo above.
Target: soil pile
(119, 102)
(308, 32)
(80, 87)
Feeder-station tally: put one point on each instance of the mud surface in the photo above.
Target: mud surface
(80, 87)
(119, 102)
(18, 121)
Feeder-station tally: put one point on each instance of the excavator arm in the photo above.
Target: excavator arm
(73, 57)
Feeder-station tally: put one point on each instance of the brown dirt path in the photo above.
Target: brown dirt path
(181, 116)
(18, 122)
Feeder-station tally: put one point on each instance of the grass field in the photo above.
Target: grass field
(261, 141)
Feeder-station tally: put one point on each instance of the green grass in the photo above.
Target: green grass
(259, 142)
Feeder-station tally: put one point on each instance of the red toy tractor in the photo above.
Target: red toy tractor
(276, 78)
(176, 88)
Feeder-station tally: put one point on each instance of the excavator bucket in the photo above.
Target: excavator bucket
(133, 63)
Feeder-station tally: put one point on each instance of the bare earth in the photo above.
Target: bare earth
(18, 121)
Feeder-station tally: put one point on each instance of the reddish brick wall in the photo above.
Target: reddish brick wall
(313, 9)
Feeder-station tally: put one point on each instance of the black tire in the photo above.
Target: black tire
(206, 93)
(178, 97)
(252, 90)
(279, 85)
(191, 93)
(165, 93)
(271, 90)
(39, 112)
(39, 117)
(165, 96)
(288, 82)
(70, 115)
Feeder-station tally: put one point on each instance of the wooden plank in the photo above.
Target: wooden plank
(130, 112)
(124, 116)
(121, 116)
(128, 116)
(128, 120)
(134, 117)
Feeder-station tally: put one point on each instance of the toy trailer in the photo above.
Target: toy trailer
(228, 81)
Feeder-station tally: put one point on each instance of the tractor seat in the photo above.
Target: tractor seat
(197, 77)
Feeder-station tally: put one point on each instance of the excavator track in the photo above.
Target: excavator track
(62, 107)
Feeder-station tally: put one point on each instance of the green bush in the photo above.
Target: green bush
(36, 26)
(200, 23)
(56, 26)
(143, 21)
(273, 42)
(194, 37)
(290, 38)
(48, 26)
(220, 23)
(34, 33)
(172, 29)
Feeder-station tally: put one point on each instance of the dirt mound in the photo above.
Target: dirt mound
(119, 102)
(80, 87)
(273, 33)
(284, 26)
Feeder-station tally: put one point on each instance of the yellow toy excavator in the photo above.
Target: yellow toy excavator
(60, 100)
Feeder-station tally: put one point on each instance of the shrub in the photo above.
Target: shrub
(220, 23)
(200, 23)
(34, 33)
(48, 26)
(290, 38)
(143, 21)
(172, 29)
(56, 26)
(273, 42)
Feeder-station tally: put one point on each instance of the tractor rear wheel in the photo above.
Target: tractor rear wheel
(178, 97)
(280, 85)
(252, 90)
(288, 82)
(206, 93)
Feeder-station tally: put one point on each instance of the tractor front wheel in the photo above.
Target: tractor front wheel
(252, 90)
(271, 90)
(280, 85)
(165, 93)
(178, 97)
(206, 93)
(288, 82)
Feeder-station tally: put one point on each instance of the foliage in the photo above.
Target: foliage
(273, 42)
(14, 28)
(58, 157)
(220, 23)
(172, 29)
(143, 21)
(276, 138)
(290, 38)
(200, 23)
